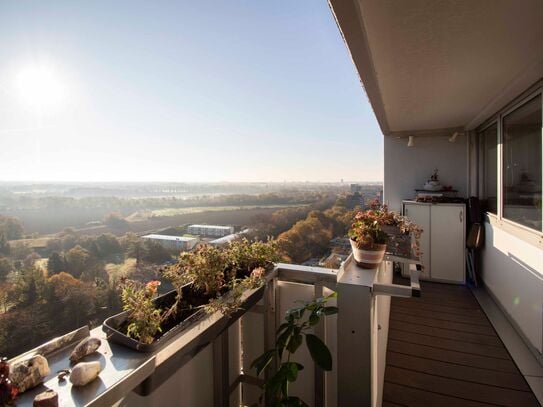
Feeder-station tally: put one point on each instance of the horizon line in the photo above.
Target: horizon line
(185, 182)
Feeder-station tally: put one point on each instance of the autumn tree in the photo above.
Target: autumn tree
(4, 245)
(11, 228)
(19, 251)
(30, 261)
(155, 253)
(133, 246)
(311, 236)
(108, 245)
(115, 221)
(5, 294)
(5, 267)
(29, 286)
(54, 245)
(77, 259)
(71, 300)
(55, 264)
(68, 239)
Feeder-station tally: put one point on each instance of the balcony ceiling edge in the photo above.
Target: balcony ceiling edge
(347, 16)
(432, 65)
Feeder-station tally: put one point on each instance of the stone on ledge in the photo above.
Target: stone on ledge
(48, 398)
(85, 347)
(30, 372)
(84, 373)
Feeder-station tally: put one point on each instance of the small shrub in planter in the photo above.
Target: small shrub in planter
(372, 229)
(207, 280)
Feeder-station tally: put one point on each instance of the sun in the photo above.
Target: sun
(41, 86)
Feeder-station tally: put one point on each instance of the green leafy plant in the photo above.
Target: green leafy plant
(298, 325)
(144, 317)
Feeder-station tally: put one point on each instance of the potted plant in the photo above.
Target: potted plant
(205, 281)
(372, 229)
(299, 324)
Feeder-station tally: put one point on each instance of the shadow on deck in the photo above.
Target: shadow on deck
(443, 351)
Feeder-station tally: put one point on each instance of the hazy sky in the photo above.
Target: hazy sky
(181, 91)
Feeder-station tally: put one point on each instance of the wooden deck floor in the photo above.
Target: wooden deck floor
(443, 351)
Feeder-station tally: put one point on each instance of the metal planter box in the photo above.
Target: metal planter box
(112, 326)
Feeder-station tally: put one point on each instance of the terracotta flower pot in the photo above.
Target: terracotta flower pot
(369, 256)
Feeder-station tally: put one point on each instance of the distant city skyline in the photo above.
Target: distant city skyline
(181, 92)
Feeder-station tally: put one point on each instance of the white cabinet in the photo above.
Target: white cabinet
(443, 240)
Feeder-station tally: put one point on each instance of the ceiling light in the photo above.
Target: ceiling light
(452, 139)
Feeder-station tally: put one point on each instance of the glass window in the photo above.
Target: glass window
(522, 165)
(489, 143)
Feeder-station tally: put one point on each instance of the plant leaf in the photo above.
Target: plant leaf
(295, 341)
(282, 327)
(292, 371)
(314, 318)
(263, 361)
(319, 352)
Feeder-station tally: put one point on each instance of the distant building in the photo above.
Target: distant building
(353, 200)
(340, 245)
(380, 197)
(222, 241)
(173, 242)
(210, 230)
(333, 261)
(356, 188)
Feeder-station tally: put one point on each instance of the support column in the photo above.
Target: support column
(354, 336)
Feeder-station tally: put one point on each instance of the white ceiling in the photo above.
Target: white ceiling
(439, 64)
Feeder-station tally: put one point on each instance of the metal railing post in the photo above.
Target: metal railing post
(320, 331)
(221, 385)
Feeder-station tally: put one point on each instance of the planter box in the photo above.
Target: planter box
(114, 326)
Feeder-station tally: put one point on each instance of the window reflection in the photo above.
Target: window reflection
(522, 165)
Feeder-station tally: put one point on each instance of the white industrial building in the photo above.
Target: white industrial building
(210, 230)
(223, 241)
(173, 242)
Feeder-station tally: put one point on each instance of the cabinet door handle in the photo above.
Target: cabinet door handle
(460, 216)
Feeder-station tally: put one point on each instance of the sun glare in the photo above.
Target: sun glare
(41, 87)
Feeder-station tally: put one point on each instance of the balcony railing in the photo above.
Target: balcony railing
(209, 364)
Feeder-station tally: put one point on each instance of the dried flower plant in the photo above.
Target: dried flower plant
(218, 275)
(367, 227)
(232, 300)
(244, 257)
(144, 317)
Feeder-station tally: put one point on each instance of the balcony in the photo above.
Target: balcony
(431, 345)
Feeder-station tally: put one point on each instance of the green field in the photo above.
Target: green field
(166, 212)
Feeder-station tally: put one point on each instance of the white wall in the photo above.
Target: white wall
(512, 270)
(407, 168)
